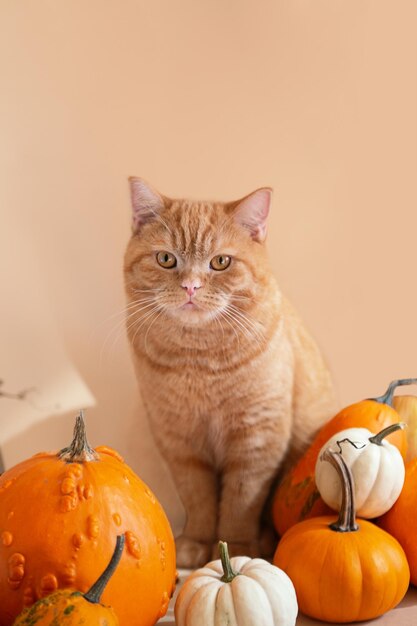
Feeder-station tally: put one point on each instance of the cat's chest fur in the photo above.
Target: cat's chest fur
(207, 393)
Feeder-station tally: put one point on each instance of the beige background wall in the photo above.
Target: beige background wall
(212, 99)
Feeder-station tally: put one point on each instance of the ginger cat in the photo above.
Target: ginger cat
(232, 382)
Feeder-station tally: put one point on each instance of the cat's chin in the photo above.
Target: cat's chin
(193, 315)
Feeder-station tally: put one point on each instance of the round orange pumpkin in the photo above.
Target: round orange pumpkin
(343, 570)
(296, 497)
(60, 514)
(399, 520)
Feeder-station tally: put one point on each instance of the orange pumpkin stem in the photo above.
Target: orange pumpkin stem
(229, 573)
(346, 521)
(379, 437)
(387, 397)
(94, 593)
(79, 450)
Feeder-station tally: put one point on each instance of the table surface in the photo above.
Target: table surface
(405, 614)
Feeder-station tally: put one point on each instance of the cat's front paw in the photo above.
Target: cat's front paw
(236, 548)
(191, 553)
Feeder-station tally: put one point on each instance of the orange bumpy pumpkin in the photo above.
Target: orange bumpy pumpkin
(296, 497)
(343, 571)
(73, 608)
(60, 514)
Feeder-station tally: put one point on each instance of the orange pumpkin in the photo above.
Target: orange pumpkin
(399, 520)
(296, 497)
(60, 514)
(67, 607)
(343, 571)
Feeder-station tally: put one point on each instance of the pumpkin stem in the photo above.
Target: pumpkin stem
(346, 522)
(378, 438)
(229, 573)
(79, 449)
(94, 593)
(387, 397)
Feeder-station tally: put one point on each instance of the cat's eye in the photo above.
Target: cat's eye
(166, 259)
(220, 262)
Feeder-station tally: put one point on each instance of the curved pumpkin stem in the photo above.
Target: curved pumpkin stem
(379, 437)
(346, 521)
(94, 593)
(229, 573)
(387, 397)
(79, 449)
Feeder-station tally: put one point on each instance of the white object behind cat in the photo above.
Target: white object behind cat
(37, 377)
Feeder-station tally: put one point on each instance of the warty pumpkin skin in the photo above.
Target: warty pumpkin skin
(400, 520)
(343, 571)
(296, 497)
(59, 518)
(67, 607)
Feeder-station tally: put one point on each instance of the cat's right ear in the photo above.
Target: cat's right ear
(147, 203)
(252, 212)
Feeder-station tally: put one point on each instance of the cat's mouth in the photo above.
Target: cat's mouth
(193, 312)
(190, 305)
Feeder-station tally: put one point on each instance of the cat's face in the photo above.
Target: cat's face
(195, 261)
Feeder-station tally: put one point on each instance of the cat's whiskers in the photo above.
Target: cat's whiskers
(249, 320)
(236, 296)
(157, 316)
(131, 310)
(243, 319)
(119, 313)
(229, 323)
(247, 332)
(143, 319)
(139, 310)
(218, 322)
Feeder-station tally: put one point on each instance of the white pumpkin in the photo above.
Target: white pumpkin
(376, 466)
(237, 592)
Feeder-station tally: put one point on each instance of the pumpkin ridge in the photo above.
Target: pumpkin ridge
(263, 579)
(225, 590)
(201, 593)
(393, 486)
(382, 606)
(240, 588)
(323, 601)
(365, 497)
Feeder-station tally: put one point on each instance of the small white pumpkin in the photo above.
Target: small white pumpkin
(376, 465)
(237, 592)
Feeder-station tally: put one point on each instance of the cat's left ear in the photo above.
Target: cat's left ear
(252, 212)
(147, 203)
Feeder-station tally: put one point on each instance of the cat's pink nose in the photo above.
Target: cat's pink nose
(191, 287)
